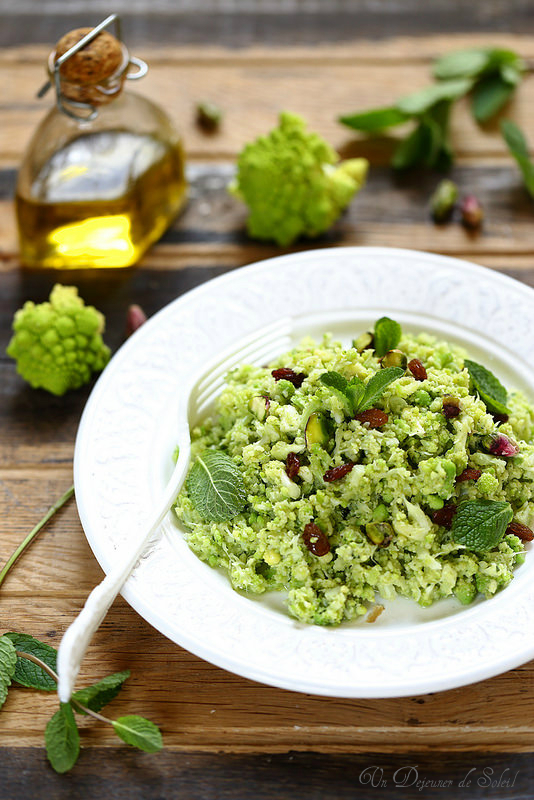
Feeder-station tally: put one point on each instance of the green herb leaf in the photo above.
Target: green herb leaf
(413, 148)
(139, 732)
(419, 102)
(481, 524)
(99, 694)
(490, 389)
(355, 392)
(375, 120)
(511, 73)
(387, 335)
(462, 64)
(62, 739)
(518, 147)
(334, 381)
(216, 487)
(489, 96)
(377, 384)
(8, 660)
(26, 672)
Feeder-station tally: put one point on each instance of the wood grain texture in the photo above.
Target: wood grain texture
(129, 775)
(201, 707)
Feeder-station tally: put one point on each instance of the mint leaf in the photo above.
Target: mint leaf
(375, 120)
(216, 487)
(334, 381)
(490, 389)
(62, 739)
(355, 392)
(8, 660)
(481, 524)
(517, 144)
(462, 64)
(413, 149)
(387, 335)
(489, 96)
(377, 384)
(26, 672)
(139, 732)
(99, 694)
(421, 101)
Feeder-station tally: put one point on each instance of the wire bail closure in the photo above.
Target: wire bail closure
(63, 102)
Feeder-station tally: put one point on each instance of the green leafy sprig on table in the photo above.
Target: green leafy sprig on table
(32, 664)
(28, 662)
(491, 75)
(517, 144)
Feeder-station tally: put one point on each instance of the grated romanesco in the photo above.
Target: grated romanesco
(58, 344)
(290, 184)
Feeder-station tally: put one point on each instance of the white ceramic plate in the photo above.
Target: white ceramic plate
(124, 456)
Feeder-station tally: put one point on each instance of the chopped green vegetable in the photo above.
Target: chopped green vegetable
(481, 524)
(292, 184)
(58, 344)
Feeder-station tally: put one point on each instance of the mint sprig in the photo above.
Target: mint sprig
(491, 75)
(61, 736)
(216, 487)
(490, 389)
(360, 396)
(481, 524)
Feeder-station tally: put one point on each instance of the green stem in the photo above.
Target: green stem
(55, 677)
(31, 536)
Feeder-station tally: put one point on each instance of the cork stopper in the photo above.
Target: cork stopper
(94, 74)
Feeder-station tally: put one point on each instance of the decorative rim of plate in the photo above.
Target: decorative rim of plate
(198, 609)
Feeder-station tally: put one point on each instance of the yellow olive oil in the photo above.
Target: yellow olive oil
(101, 201)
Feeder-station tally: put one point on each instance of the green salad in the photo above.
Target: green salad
(344, 477)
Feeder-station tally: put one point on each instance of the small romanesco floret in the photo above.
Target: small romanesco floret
(58, 344)
(290, 184)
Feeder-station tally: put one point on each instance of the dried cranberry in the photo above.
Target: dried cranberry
(444, 516)
(522, 532)
(292, 465)
(374, 417)
(417, 369)
(315, 540)
(288, 374)
(469, 474)
(451, 406)
(336, 473)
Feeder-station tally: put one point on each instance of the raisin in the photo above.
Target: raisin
(336, 473)
(444, 516)
(288, 374)
(417, 369)
(315, 540)
(522, 532)
(374, 417)
(469, 474)
(292, 465)
(451, 407)
(500, 417)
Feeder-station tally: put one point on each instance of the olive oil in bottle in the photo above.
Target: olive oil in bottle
(104, 174)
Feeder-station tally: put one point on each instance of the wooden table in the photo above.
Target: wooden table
(226, 736)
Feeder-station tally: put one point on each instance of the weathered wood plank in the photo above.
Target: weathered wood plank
(239, 24)
(252, 95)
(125, 774)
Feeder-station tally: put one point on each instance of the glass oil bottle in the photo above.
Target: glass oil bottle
(103, 176)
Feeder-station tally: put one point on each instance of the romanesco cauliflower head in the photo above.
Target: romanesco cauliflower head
(58, 344)
(290, 182)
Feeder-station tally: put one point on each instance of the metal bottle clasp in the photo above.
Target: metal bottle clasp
(66, 105)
